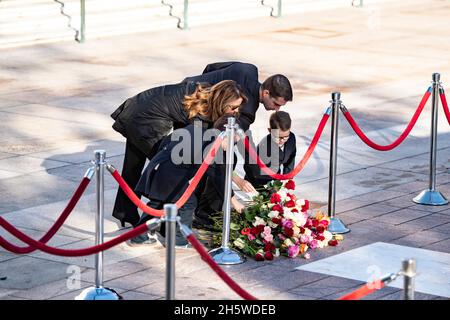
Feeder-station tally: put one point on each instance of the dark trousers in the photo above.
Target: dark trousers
(185, 213)
(133, 164)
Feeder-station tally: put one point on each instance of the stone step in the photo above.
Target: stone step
(21, 21)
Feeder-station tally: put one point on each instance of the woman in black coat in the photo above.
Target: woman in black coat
(165, 178)
(144, 120)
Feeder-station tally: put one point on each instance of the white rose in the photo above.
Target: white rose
(259, 221)
(288, 215)
(272, 225)
(239, 243)
(296, 231)
(322, 244)
(328, 235)
(288, 242)
(308, 232)
(283, 195)
(299, 219)
(273, 214)
(277, 252)
(300, 202)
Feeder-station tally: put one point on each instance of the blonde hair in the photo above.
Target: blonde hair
(211, 102)
(197, 103)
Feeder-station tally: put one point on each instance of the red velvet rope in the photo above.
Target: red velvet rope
(217, 269)
(445, 105)
(400, 139)
(68, 252)
(299, 166)
(363, 291)
(62, 218)
(180, 202)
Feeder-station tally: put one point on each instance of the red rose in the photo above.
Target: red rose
(268, 255)
(294, 210)
(275, 198)
(320, 237)
(314, 223)
(308, 223)
(290, 204)
(302, 230)
(292, 196)
(288, 232)
(276, 221)
(254, 231)
(245, 231)
(269, 247)
(305, 207)
(260, 228)
(333, 243)
(259, 257)
(278, 208)
(290, 185)
(320, 229)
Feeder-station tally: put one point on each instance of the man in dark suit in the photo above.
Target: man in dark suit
(273, 93)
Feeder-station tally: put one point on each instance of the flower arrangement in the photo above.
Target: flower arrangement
(277, 223)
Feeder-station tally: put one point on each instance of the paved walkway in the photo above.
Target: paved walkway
(55, 102)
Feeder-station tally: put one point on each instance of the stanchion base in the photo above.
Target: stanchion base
(337, 226)
(226, 256)
(431, 198)
(98, 293)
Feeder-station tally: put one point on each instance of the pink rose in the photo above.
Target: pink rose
(305, 238)
(281, 237)
(251, 237)
(288, 223)
(324, 223)
(313, 244)
(268, 237)
(293, 251)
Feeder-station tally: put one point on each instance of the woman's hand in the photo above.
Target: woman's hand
(243, 184)
(237, 205)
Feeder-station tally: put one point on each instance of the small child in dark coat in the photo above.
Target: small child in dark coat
(277, 150)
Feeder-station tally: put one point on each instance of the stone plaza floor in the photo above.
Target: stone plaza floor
(55, 102)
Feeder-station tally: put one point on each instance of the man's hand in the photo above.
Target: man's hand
(243, 184)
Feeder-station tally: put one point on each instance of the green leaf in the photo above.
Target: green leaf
(234, 226)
